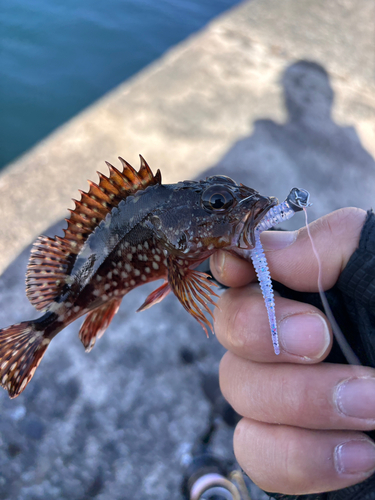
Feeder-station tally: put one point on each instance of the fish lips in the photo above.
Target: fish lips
(245, 237)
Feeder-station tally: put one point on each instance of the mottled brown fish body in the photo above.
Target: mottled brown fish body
(126, 231)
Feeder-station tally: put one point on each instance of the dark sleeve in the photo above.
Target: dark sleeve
(352, 300)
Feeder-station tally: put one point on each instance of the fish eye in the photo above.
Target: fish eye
(217, 198)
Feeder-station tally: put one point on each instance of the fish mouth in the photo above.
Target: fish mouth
(245, 237)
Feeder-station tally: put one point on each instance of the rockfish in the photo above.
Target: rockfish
(127, 230)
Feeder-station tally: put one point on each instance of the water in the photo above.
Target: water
(58, 56)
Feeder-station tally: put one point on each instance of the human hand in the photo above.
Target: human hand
(300, 431)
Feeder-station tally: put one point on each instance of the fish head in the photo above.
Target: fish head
(201, 217)
(235, 211)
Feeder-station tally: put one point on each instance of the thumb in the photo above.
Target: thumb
(290, 255)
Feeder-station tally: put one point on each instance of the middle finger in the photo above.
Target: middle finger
(324, 396)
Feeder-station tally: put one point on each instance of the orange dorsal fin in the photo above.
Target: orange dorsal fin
(96, 323)
(52, 259)
(101, 198)
(193, 289)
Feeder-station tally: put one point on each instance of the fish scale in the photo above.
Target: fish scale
(127, 230)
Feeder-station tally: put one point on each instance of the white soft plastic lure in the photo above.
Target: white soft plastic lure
(297, 200)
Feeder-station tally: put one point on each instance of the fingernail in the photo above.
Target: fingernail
(304, 335)
(219, 261)
(355, 397)
(355, 456)
(276, 240)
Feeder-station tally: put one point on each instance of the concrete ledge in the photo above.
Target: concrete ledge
(186, 110)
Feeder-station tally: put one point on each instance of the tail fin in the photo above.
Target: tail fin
(21, 350)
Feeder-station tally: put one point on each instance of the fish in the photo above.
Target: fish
(127, 230)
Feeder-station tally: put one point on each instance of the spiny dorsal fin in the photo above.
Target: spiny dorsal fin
(52, 259)
(101, 198)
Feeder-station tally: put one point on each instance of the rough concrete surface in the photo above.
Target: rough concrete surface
(119, 423)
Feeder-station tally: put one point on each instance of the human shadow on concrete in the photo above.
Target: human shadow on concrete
(309, 150)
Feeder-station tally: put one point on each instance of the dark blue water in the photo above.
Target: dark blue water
(58, 56)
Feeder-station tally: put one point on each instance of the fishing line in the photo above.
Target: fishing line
(348, 352)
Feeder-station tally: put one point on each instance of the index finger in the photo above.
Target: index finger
(335, 235)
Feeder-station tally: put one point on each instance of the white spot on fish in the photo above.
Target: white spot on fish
(98, 277)
(128, 267)
(154, 265)
(136, 272)
(147, 270)
(132, 282)
(109, 275)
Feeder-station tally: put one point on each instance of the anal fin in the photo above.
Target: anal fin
(96, 323)
(193, 289)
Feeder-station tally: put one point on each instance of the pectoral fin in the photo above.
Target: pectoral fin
(193, 290)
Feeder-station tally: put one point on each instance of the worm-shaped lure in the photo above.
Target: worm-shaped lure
(296, 201)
